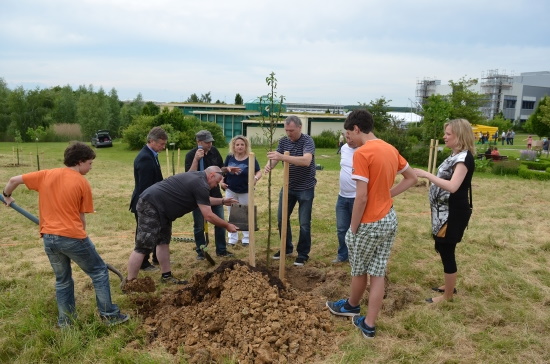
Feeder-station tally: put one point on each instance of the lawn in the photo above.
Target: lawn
(500, 315)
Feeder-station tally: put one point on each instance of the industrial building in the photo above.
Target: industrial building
(516, 97)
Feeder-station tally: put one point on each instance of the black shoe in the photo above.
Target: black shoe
(437, 289)
(226, 254)
(200, 257)
(172, 280)
(150, 268)
(277, 255)
(300, 261)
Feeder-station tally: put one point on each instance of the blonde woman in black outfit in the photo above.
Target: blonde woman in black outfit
(451, 199)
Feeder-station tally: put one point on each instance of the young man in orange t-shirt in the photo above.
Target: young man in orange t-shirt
(64, 196)
(373, 221)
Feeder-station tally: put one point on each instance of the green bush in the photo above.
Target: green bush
(527, 173)
(539, 166)
(506, 168)
(327, 139)
(484, 165)
(420, 155)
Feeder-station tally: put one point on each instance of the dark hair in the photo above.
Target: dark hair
(294, 119)
(362, 118)
(157, 133)
(77, 152)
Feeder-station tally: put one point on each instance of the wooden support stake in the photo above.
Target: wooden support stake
(430, 158)
(434, 166)
(178, 166)
(167, 162)
(284, 219)
(251, 220)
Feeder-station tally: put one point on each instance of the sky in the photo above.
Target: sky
(338, 52)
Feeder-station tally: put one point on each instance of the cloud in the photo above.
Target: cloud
(339, 52)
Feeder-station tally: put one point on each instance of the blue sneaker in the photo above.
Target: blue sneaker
(338, 308)
(115, 319)
(367, 331)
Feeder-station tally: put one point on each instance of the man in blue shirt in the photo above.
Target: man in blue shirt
(301, 184)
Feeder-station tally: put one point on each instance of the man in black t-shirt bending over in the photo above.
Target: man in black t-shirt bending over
(166, 201)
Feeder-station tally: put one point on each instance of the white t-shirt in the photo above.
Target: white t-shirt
(347, 185)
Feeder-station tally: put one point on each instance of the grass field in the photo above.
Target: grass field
(501, 314)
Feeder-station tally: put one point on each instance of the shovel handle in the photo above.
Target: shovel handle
(21, 210)
(34, 219)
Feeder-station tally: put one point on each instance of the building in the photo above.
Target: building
(516, 97)
(247, 119)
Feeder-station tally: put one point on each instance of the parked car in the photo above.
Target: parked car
(102, 139)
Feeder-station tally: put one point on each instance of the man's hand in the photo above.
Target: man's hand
(231, 228)
(275, 156)
(199, 154)
(8, 200)
(228, 201)
(233, 170)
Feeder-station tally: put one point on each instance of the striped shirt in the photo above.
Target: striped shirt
(300, 178)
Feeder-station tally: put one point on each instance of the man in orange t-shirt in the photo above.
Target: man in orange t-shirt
(64, 196)
(373, 221)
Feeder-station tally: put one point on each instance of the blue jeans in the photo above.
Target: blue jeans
(305, 205)
(198, 230)
(61, 250)
(344, 208)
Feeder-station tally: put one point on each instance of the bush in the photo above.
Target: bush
(527, 173)
(420, 155)
(327, 139)
(484, 165)
(506, 168)
(539, 166)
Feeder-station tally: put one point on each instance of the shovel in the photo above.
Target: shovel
(203, 247)
(34, 219)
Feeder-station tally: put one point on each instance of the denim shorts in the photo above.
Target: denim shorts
(369, 249)
(150, 231)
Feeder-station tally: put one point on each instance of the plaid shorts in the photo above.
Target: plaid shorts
(150, 231)
(369, 249)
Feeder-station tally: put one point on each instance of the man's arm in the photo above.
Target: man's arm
(358, 205)
(409, 180)
(83, 219)
(214, 219)
(302, 161)
(10, 187)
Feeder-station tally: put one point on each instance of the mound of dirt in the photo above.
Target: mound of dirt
(145, 284)
(240, 313)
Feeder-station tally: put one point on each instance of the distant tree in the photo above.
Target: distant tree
(539, 122)
(150, 108)
(115, 113)
(64, 110)
(238, 99)
(4, 110)
(130, 110)
(93, 113)
(466, 103)
(193, 98)
(500, 122)
(436, 111)
(206, 98)
(379, 109)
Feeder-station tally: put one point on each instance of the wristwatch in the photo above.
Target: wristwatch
(5, 194)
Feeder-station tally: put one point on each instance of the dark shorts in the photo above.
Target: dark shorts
(150, 230)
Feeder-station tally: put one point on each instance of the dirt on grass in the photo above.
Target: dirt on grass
(240, 313)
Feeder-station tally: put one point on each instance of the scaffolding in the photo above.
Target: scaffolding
(493, 84)
(424, 89)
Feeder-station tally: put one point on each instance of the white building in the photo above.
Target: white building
(516, 97)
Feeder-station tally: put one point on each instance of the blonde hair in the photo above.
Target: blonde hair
(464, 134)
(234, 140)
